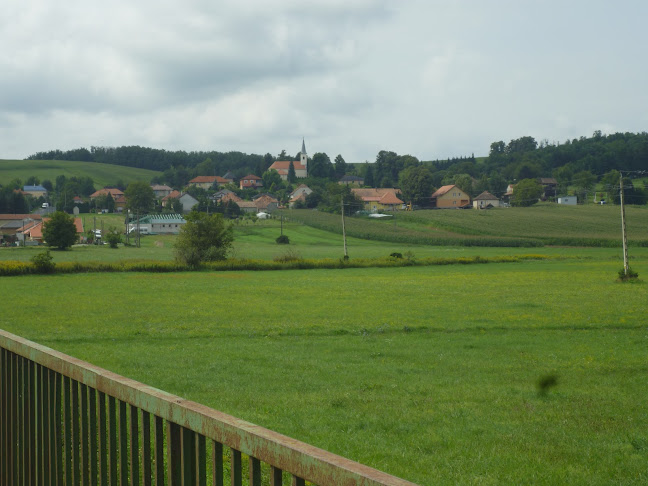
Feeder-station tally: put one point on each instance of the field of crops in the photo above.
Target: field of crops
(430, 373)
(101, 174)
(588, 225)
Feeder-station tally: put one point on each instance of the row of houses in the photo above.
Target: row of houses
(27, 229)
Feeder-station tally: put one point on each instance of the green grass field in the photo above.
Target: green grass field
(427, 373)
(101, 174)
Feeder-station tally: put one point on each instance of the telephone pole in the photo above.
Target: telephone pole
(346, 255)
(623, 228)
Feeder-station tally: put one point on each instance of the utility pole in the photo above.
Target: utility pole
(623, 228)
(282, 223)
(127, 221)
(138, 229)
(346, 255)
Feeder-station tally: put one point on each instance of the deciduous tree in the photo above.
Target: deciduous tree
(203, 238)
(526, 193)
(416, 184)
(139, 197)
(60, 231)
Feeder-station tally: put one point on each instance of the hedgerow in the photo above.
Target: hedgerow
(13, 268)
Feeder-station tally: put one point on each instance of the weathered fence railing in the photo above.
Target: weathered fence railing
(67, 422)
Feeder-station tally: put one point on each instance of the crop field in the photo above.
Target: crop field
(432, 374)
(257, 241)
(589, 225)
(101, 174)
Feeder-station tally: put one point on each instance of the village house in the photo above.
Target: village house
(32, 233)
(250, 181)
(34, 191)
(301, 166)
(549, 186)
(207, 182)
(485, 201)
(160, 190)
(266, 203)
(166, 200)
(380, 199)
(450, 196)
(114, 192)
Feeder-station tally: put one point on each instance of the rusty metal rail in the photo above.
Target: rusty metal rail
(67, 422)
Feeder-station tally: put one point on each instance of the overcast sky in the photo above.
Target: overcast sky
(430, 78)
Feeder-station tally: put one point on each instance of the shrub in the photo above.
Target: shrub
(113, 237)
(43, 262)
(290, 255)
(283, 240)
(631, 275)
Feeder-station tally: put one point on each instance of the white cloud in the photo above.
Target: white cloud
(430, 78)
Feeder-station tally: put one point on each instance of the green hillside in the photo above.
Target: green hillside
(101, 174)
(551, 224)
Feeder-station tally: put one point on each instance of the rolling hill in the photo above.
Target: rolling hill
(102, 174)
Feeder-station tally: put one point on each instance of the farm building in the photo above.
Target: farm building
(486, 200)
(159, 224)
(381, 199)
(450, 196)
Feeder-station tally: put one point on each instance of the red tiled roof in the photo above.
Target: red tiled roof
(172, 195)
(251, 177)
(443, 190)
(371, 195)
(230, 197)
(102, 192)
(485, 196)
(13, 217)
(390, 198)
(280, 165)
(208, 179)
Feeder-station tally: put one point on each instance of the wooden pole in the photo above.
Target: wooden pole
(346, 255)
(623, 229)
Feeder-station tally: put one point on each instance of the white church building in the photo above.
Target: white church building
(301, 165)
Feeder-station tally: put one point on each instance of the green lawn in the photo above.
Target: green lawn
(427, 373)
(101, 174)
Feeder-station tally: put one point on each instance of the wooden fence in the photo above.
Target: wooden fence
(66, 422)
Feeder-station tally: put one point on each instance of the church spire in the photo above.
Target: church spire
(303, 156)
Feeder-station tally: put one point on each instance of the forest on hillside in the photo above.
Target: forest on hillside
(577, 164)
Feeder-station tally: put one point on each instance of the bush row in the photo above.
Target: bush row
(12, 268)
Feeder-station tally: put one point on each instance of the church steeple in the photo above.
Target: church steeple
(304, 157)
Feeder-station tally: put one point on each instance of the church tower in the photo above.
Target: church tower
(304, 157)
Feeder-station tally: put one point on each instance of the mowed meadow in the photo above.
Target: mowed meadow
(532, 372)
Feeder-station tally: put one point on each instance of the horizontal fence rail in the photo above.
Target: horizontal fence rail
(67, 422)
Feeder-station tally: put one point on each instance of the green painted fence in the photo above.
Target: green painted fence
(66, 422)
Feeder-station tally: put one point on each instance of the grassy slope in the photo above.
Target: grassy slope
(427, 373)
(544, 222)
(102, 174)
(547, 220)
